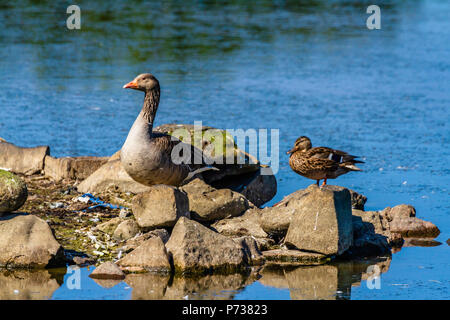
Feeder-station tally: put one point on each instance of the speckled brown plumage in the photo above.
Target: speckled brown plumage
(320, 162)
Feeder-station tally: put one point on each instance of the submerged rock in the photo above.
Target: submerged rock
(27, 161)
(27, 241)
(107, 270)
(151, 255)
(160, 206)
(75, 168)
(13, 192)
(195, 249)
(323, 221)
(209, 204)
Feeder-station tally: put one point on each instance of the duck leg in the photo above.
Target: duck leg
(324, 182)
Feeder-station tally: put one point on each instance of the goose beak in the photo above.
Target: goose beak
(133, 85)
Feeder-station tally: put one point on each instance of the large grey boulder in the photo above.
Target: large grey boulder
(151, 255)
(22, 160)
(195, 249)
(13, 192)
(75, 168)
(160, 206)
(322, 222)
(209, 204)
(27, 241)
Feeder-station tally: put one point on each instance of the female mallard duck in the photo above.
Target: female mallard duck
(146, 155)
(320, 162)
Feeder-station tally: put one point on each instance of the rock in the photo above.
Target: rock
(366, 241)
(22, 160)
(260, 188)
(108, 270)
(126, 230)
(403, 221)
(27, 241)
(107, 283)
(13, 192)
(109, 226)
(135, 242)
(358, 200)
(295, 257)
(245, 225)
(124, 213)
(380, 222)
(322, 222)
(160, 206)
(276, 220)
(83, 261)
(75, 168)
(253, 255)
(111, 176)
(209, 204)
(195, 249)
(151, 255)
(448, 242)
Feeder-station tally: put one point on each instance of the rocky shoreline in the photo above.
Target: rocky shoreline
(51, 215)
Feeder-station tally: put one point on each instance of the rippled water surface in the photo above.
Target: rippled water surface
(303, 67)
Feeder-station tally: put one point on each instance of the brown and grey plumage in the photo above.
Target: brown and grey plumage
(320, 162)
(146, 155)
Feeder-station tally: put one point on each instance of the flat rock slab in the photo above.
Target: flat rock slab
(295, 256)
(22, 160)
(13, 192)
(160, 206)
(108, 270)
(27, 241)
(196, 249)
(245, 225)
(322, 221)
(74, 168)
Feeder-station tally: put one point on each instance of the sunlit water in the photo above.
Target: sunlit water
(309, 68)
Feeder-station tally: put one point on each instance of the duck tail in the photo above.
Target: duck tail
(350, 166)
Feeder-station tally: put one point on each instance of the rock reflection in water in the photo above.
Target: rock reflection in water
(215, 287)
(324, 282)
(29, 285)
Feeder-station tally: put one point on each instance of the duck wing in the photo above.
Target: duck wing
(337, 156)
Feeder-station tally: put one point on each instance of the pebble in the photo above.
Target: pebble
(56, 205)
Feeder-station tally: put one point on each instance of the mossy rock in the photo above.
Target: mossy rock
(13, 192)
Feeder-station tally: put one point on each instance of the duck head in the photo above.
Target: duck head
(143, 82)
(301, 144)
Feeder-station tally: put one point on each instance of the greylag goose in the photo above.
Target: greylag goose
(320, 162)
(146, 155)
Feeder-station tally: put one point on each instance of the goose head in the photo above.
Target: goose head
(301, 144)
(144, 82)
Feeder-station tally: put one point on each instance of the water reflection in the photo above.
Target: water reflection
(29, 285)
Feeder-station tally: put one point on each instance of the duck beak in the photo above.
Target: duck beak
(290, 151)
(133, 85)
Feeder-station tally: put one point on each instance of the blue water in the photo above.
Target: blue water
(306, 68)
